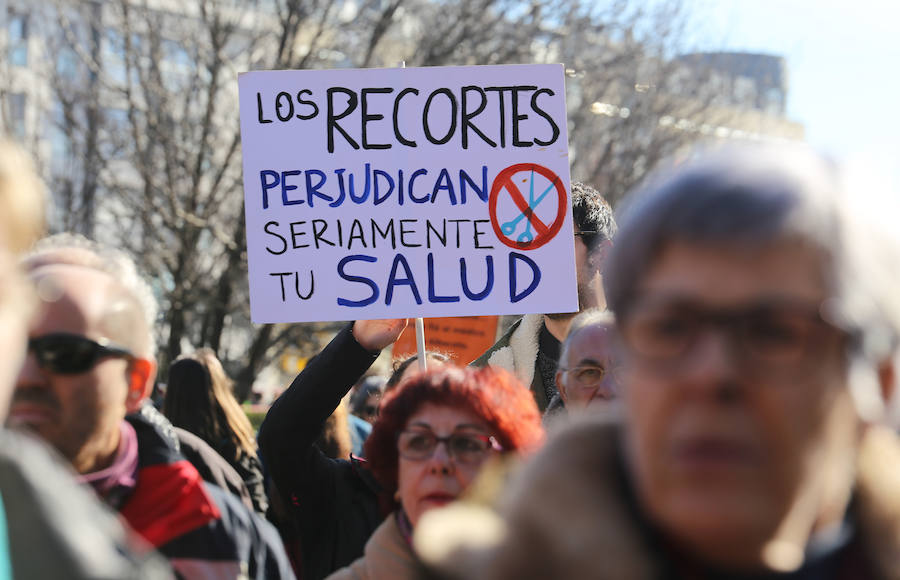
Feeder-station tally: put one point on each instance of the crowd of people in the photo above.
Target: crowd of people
(722, 406)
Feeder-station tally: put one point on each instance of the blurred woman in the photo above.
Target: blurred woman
(757, 324)
(432, 436)
(199, 399)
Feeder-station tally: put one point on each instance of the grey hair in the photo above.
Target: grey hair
(590, 317)
(75, 249)
(756, 195)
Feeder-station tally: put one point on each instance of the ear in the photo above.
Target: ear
(598, 255)
(561, 387)
(141, 374)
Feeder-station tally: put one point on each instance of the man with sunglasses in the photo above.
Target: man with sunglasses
(530, 348)
(585, 376)
(50, 526)
(90, 366)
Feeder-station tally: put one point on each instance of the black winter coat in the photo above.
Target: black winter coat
(332, 503)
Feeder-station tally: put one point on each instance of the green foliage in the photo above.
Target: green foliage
(256, 414)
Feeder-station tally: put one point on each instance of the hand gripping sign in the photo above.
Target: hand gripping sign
(407, 192)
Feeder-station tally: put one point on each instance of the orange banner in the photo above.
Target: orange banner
(463, 338)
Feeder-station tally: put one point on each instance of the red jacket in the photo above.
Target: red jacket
(202, 530)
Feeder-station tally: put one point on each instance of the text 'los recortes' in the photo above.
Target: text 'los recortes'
(444, 116)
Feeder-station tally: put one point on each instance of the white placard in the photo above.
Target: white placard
(383, 193)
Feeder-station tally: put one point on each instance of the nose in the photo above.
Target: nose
(440, 460)
(605, 391)
(711, 366)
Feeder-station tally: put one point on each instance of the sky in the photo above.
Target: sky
(843, 59)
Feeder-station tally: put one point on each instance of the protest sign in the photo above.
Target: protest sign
(463, 338)
(387, 193)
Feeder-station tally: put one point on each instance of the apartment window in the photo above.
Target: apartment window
(176, 54)
(67, 64)
(17, 35)
(114, 56)
(15, 108)
(774, 101)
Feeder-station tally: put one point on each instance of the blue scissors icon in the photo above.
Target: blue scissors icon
(509, 227)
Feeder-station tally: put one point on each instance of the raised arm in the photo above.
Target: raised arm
(287, 435)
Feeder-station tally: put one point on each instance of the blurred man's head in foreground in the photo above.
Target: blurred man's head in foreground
(21, 223)
(757, 319)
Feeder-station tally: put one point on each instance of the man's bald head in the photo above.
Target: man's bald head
(129, 306)
(87, 292)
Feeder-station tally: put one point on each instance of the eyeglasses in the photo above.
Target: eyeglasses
(69, 354)
(773, 335)
(586, 376)
(419, 445)
(591, 238)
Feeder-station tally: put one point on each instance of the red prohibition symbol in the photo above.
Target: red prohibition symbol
(542, 233)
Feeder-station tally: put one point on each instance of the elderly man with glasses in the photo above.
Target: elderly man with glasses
(530, 348)
(90, 366)
(587, 372)
(756, 307)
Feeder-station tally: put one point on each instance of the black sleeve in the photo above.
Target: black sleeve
(287, 435)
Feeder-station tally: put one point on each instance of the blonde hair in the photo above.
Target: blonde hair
(22, 198)
(22, 222)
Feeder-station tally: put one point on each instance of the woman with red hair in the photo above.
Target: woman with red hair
(330, 508)
(434, 433)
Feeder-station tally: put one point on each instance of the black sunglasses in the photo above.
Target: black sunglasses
(69, 354)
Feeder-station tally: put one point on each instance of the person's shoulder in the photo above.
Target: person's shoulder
(195, 449)
(212, 466)
(78, 536)
(387, 554)
(21, 452)
(502, 342)
(555, 411)
(235, 516)
(238, 537)
(387, 535)
(157, 443)
(573, 440)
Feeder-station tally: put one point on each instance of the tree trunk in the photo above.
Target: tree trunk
(244, 381)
